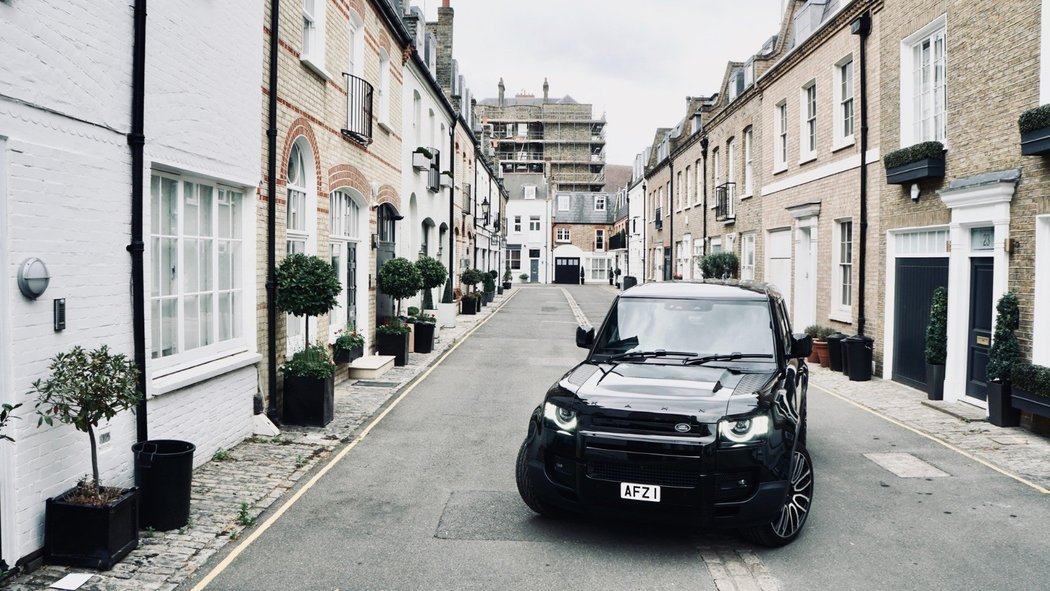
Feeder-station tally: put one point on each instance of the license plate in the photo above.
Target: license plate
(640, 492)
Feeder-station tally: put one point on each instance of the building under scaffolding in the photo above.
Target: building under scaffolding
(530, 133)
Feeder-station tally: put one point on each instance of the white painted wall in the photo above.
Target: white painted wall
(530, 240)
(636, 239)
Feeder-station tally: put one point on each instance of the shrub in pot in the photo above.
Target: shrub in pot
(471, 303)
(307, 286)
(936, 344)
(507, 277)
(524, 277)
(90, 525)
(1004, 354)
(719, 265)
(490, 288)
(399, 279)
(424, 332)
(471, 278)
(432, 273)
(349, 345)
(392, 339)
(1030, 388)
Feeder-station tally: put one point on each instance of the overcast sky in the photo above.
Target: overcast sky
(634, 61)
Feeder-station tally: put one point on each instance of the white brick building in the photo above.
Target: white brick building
(65, 197)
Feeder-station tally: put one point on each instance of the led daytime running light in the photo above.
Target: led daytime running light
(744, 430)
(563, 418)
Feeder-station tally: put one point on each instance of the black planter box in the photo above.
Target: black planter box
(469, 306)
(934, 381)
(1029, 402)
(1001, 412)
(424, 335)
(506, 285)
(91, 537)
(911, 172)
(393, 344)
(1035, 142)
(309, 402)
(348, 355)
(487, 297)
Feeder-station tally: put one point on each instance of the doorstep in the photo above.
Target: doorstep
(370, 366)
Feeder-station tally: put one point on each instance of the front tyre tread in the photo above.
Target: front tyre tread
(525, 489)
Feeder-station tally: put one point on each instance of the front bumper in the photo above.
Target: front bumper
(700, 481)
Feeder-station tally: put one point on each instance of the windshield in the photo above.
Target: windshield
(698, 326)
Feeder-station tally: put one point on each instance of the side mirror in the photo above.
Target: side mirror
(801, 346)
(585, 337)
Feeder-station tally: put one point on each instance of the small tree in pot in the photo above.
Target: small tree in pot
(433, 274)
(472, 299)
(90, 525)
(507, 277)
(307, 286)
(399, 279)
(1002, 357)
(937, 344)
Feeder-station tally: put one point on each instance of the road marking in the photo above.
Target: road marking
(906, 465)
(932, 438)
(576, 310)
(226, 562)
(736, 570)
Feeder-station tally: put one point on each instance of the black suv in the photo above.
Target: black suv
(692, 402)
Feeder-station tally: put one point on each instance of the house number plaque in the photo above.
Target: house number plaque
(984, 341)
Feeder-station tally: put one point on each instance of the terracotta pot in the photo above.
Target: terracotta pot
(821, 349)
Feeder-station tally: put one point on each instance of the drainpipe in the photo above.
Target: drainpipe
(862, 27)
(271, 220)
(670, 214)
(137, 142)
(645, 245)
(703, 201)
(474, 208)
(451, 200)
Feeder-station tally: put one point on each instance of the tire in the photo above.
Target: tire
(788, 523)
(525, 489)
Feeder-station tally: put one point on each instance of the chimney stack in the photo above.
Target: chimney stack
(546, 89)
(442, 30)
(501, 90)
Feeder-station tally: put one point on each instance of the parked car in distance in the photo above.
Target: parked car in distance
(691, 403)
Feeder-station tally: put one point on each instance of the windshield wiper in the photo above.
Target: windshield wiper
(725, 357)
(649, 354)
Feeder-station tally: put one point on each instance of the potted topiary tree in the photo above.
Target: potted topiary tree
(90, 525)
(472, 299)
(1002, 357)
(433, 274)
(399, 279)
(524, 277)
(937, 344)
(307, 286)
(507, 277)
(488, 280)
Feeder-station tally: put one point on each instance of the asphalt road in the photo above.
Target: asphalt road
(428, 501)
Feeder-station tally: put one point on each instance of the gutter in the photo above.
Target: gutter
(137, 142)
(271, 220)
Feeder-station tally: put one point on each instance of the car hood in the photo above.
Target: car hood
(701, 391)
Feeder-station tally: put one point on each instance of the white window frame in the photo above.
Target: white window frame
(344, 225)
(311, 53)
(383, 90)
(688, 187)
(845, 104)
(599, 236)
(599, 268)
(749, 170)
(599, 203)
(842, 309)
(530, 191)
(1041, 318)
(236, 246)
(780, 144)
(534, 223)
(563, 203)
(678, 192)
(807, 135)
(697, 170)
(909, 93)
(304, 233)
(716, 174)
(562, 235)
(517, 223)
(356, 44)
(747, 256)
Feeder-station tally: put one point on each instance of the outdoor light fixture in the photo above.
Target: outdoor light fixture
(33, 278)
(915, 193)
(485, 209)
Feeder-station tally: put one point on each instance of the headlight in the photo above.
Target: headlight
(744, 430)
(562, 418)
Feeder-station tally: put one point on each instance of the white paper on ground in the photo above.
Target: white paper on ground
(71, 582)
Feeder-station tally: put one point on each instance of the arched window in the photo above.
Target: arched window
(295, 219)
(300, 223)
(347, 224)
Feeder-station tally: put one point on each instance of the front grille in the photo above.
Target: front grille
(643, 473)
(650, 427)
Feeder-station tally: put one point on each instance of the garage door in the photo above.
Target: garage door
(916, 278)
(567, 270)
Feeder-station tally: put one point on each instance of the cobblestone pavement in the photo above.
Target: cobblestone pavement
(230, 495)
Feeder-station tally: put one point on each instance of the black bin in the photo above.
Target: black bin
(835, 350)
(858, 353)
(163, 473)
(629, 281)
(845, 358)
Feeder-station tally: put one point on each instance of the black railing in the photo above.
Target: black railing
(358, 110)
(725, 197)
(618, 241)
(659, 219)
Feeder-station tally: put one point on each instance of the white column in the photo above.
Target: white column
(1044, 54)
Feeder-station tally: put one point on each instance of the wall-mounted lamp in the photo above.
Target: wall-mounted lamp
(485, 209)
(375, 241)
(915, 193)
(33, 278)
(1009, 245)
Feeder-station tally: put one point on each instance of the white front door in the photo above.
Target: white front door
(778, 264)
(805, 313)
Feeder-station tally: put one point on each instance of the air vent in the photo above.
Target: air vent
(581, 374)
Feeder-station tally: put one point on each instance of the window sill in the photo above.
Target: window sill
(742, 197)
(313, 63)
(384, 126)
(779, 168)
(199, 373)
(841, 316)
(845, 143)
(807, 158)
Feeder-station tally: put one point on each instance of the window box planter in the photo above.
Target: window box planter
(85, 536)
(1034, 125)
(349, 355)
(393, 344)
(308, 401)
(420, 160)
(915, 163)
(446, 180)
(1030, 388)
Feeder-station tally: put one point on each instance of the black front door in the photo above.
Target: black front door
(385, 249)
(567, 270)
(979, 335)
(915, 281)
(667, 264)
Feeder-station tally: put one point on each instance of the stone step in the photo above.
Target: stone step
(370, 367)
